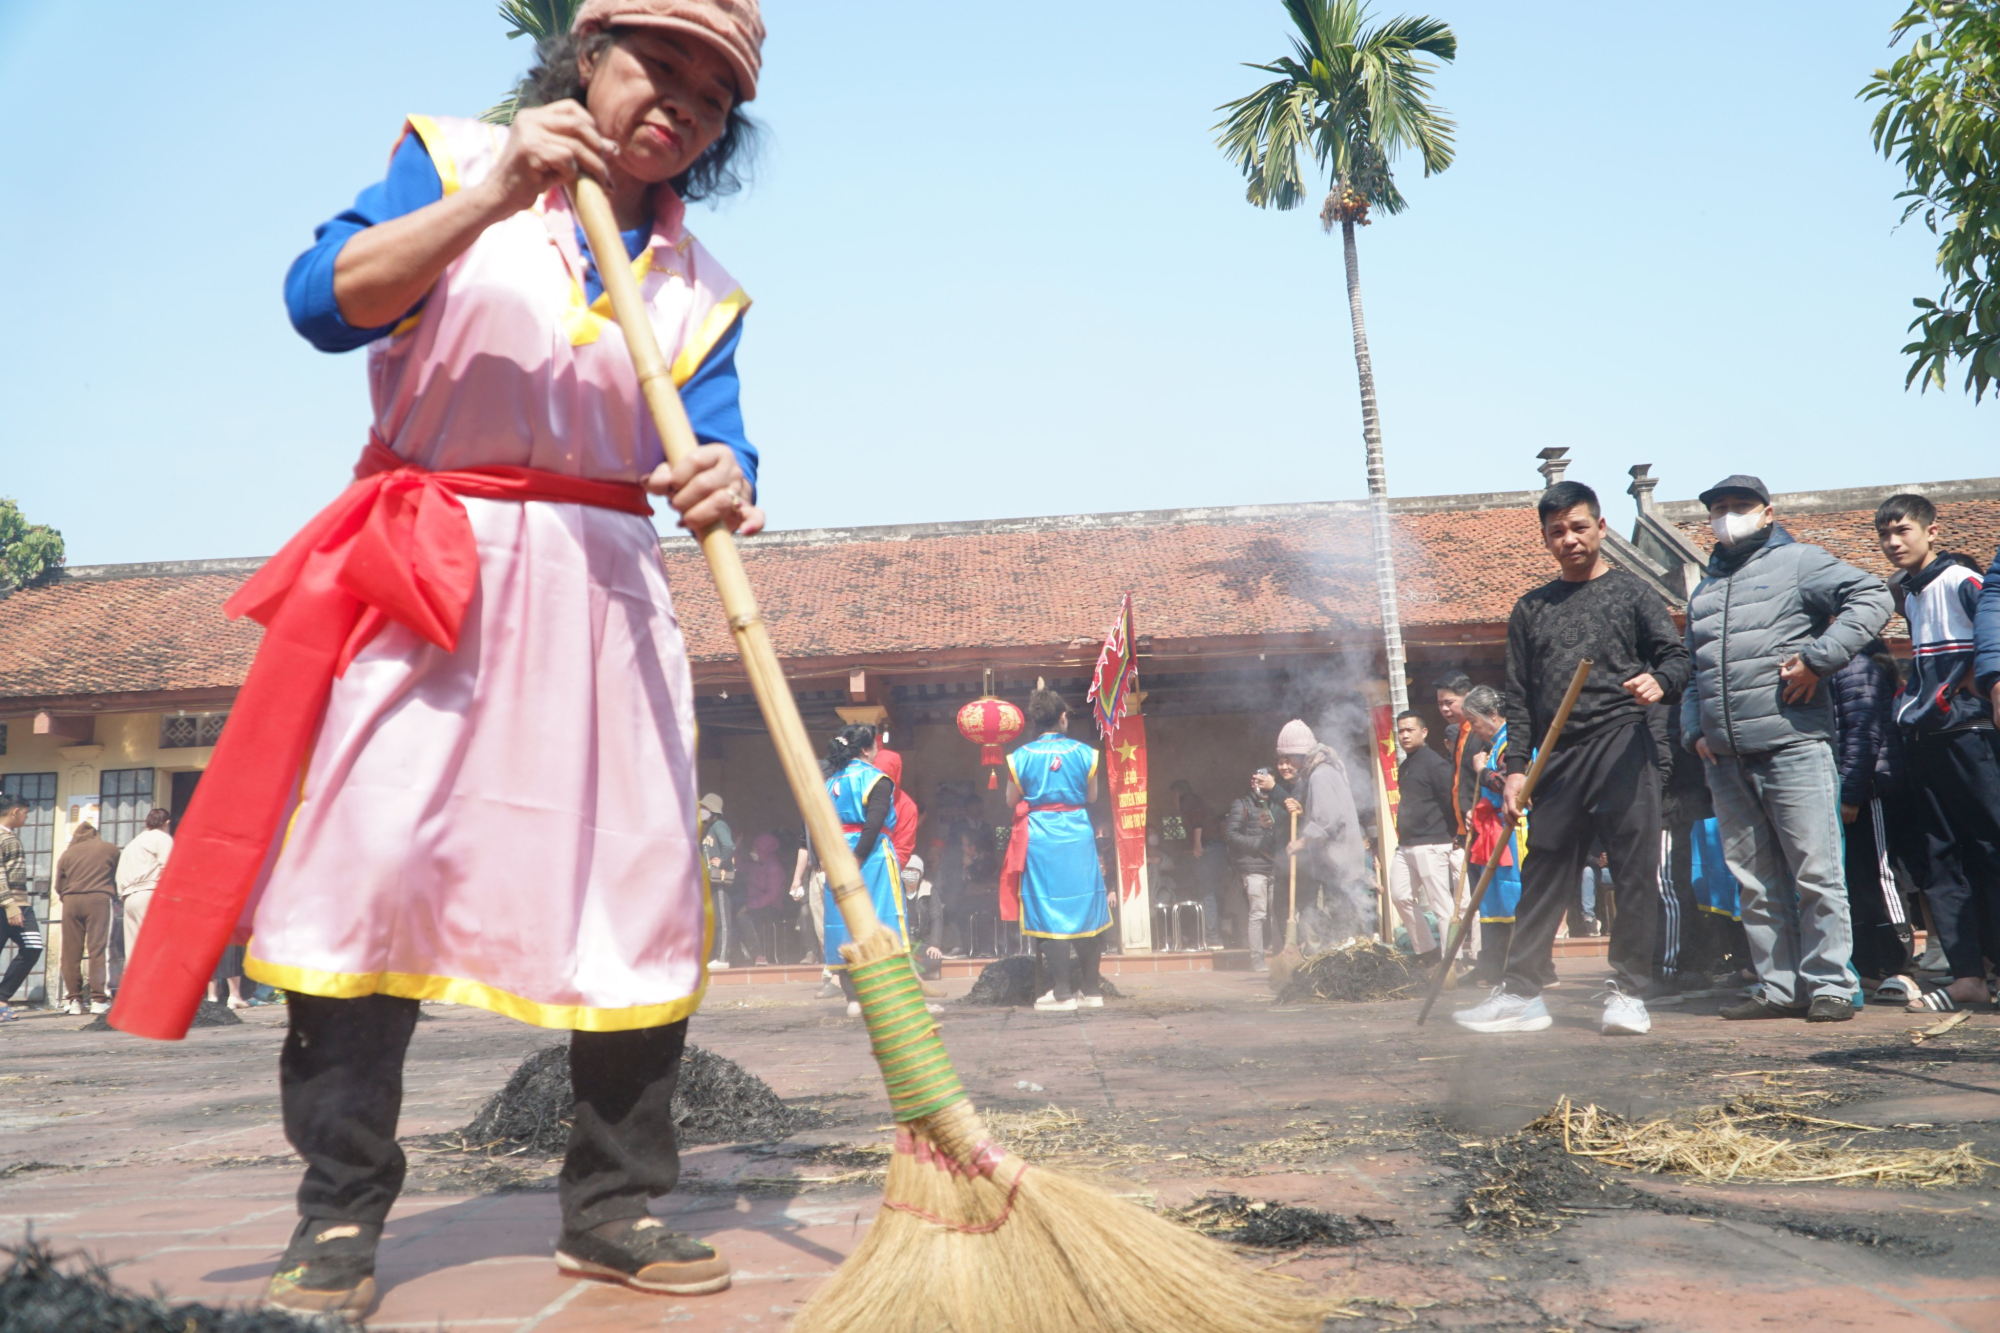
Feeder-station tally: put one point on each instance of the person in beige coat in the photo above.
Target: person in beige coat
(139, 868)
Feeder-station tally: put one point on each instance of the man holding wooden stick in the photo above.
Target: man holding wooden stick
(1602, 780)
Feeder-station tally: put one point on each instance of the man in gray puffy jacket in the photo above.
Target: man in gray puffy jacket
(1773, 618)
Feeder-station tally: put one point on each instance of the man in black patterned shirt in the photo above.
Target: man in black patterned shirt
(1601, 782)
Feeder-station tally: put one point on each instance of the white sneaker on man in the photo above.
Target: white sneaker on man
(854, 1008)
(1049, 1004)
(1501, 1012)
(99, 1007)
(1624, 1015)
(75, 1006)
(1090, 1001)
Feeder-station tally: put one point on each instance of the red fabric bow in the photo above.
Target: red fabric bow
(1016, 864)
(396, 546)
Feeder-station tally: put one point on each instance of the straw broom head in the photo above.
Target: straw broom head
(1007, 1246)
(969, 1238)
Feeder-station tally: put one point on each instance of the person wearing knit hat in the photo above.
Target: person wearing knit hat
(1330, 843)
(494, 803)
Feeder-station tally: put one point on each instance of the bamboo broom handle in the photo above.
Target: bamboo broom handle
(1458, 927)
(732, 585)
(1292, 893)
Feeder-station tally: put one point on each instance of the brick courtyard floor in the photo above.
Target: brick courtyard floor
(168, 1162)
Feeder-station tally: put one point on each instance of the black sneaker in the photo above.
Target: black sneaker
(643, 1254)
(1829, 1009)
(328, 1269)
(1759, 1007)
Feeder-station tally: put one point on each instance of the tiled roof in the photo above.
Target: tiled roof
(1306, 570)
(1194, 574)
(1216, 574)
(152, 632)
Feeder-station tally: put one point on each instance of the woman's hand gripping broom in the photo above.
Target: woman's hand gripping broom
(1464, 921)
(970, 1237)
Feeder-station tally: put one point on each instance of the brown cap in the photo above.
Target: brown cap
(733, 27)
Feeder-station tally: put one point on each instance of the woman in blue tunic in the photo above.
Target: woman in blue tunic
(1062, 882)
(1484, 714)
(865, 799)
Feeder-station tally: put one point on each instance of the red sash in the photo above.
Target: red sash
(1016, 864)
(396, 546)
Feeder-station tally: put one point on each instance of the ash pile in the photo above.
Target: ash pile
(715, 1101)
(41, 1292)
(1013, 980)
(1361, 969)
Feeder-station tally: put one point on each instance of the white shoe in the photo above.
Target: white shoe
(1049, 1004)
(934, 1008)
(74, 1007)
(1624, 1015)
(99, 1008)
(1501, 1012)
(1090, 1001)
(854, 1008)
(719, 965)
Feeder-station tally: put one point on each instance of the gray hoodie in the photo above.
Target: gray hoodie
(1329, 826)
(1749, 614)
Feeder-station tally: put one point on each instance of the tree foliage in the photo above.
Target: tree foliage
(539, 19)
(1940, 122)
(1350, 98)
(30, 553)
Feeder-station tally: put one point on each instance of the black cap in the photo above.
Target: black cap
(1741, 483)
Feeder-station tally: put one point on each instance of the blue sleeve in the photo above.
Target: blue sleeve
(712, 397)
(1986, 630)
(412, 183)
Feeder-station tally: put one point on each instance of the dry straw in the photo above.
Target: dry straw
(1733, 1142)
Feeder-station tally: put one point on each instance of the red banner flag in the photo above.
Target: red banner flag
(1385, 757)
(1124, 732)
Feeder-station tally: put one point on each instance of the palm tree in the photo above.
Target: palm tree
(1351, 98)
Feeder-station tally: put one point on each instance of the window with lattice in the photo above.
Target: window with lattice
(38, 835)
(125, 798)
(188, 731)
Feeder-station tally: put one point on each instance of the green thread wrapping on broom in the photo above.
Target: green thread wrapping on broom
(905, 1037)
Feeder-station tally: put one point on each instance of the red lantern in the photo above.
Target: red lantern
(990, 723)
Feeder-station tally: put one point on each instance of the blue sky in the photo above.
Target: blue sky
(1000, 267)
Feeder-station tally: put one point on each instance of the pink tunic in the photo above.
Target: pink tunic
(511, 825)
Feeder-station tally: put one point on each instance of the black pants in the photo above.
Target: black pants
(1956, 777)
(340, 1078)
(1882, 932)
(27, 941)
(1605, 789)
(1055, 964)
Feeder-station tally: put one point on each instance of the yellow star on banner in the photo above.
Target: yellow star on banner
(1127, 752)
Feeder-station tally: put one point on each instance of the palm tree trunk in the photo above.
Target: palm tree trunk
(1378, 484)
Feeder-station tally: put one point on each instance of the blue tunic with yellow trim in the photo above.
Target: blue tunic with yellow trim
(850, 788)
(1503, 895)
(1062, 889)
(1715, 889)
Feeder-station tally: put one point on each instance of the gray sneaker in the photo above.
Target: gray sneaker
(1624, 1015)
(1501, 1012)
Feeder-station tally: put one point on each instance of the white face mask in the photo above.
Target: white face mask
(1732, 528)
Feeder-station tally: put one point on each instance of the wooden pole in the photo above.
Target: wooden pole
(732, 585)
(1458, 927)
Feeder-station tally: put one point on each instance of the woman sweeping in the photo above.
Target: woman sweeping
(865, 799)
(1054, 854)
(463, 766)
